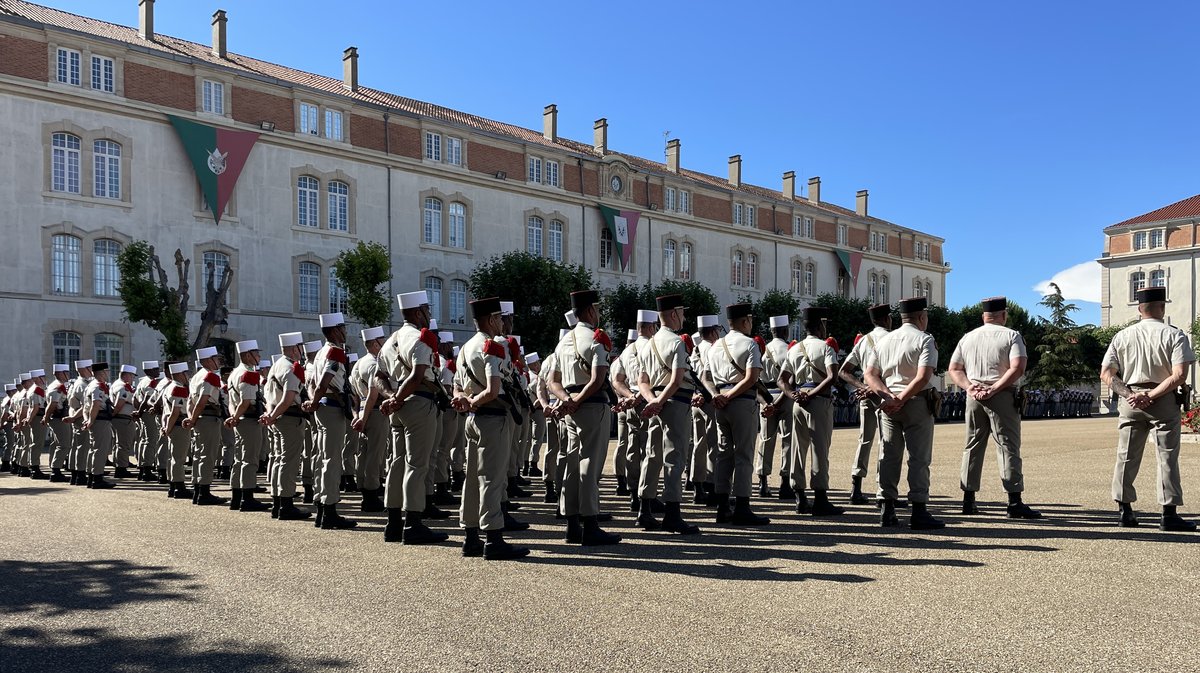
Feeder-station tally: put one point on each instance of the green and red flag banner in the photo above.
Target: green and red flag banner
(218, 157)
(622, 224)
(851, 261)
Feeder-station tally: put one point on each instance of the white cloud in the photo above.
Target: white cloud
(1080, 282)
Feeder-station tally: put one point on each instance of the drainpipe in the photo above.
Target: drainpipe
(649, 230)
(387, 149)
(582, 217)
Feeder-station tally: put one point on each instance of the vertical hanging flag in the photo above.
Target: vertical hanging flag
(218, 156)
(622, 224)
(852, 262)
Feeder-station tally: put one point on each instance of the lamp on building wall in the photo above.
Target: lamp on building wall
(266, 125)
(223, 325)
(501, 175)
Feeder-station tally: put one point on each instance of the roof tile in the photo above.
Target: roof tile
(1189, 207)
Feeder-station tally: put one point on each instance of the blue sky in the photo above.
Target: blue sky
(1015, 130)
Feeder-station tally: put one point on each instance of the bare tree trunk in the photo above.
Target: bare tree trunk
(215, 310)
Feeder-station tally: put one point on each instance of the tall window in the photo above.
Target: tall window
(68, 66)
(929, 290)
(552, 173)
(1139, 240)
(1156, 238)
(1137, 281)
(685, 201)
(685, 261)
(107, 160)
(433, 146)
(735, 270)
(308, 118)
(65, 256)
(802, 227)
(917, 288)
(108, 349)
(67, 348)
(213, 97)
(307, 189)
(1158, 278)
(339, 206)
(883, 243)
(606, 249)
(433, 221)
(309, 288)
(810, 277)
(104, 260)
(535, 170)
(554, 241)
(670, 198)
(64, 159)
(843, 283)
(219, 261)
(339, 297)
(458, 225)
(797, 277)
(883, 289)
(333, 124)
(752, 270)
(102, 74)
(458, 302)
(843, 235)
(533, 235)
(738, 213)
(749, 216)
(433, 286)
(454, 151)
(873, 288)
(668, 270)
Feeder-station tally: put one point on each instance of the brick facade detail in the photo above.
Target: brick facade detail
(367, 132)
(160, 87)
(251, 107)
(489, 159)
(23, 58)
(711, 208)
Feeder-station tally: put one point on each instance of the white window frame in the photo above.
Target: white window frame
(1158, 238)
(737, 263)
(310, 119)
(431, 220)
(67, 347)
(104, 74)
(750, 221)
(752, 270)
(68, 67)
(339, 296)
(534, 235)
(212, 97)
(457, 301)
(105, 274)
(308, 206)
(738, 210)
(607, 250)
(433, 146)
(810, 279)
(555, 236)
(66, 150)
(333, 125)
(533, 170)
(1140, 240)
(66, 265)
(456, 220)
(670, 250)
(308, 303)
(669, 199)
(109, 348)
(338, 194)
(106, 169)
(433, 288)
(686, 253)
(453, 150)
(685, 201)
(843, 235)
(552, 179)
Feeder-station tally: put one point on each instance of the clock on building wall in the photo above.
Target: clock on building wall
(616, 184)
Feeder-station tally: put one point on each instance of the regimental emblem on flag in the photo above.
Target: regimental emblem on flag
(216, 161)
(622, 224)
(218, 156)
(622, 227)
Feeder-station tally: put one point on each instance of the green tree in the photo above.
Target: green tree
(619, 305)
(1094, 342)
(364, 270)
(947, 328)
(848, 318)
(774, 302)
(148, 298)
(1061, 360)
(540, 290)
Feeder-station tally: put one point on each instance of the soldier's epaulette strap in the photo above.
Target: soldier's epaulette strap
(298, 371)
(687, 342)
(38, 392)
(601, 336)
(762, 344)
(337, 355)
(251, 378)
(103, 387)
(178, 391)
(213, 379)
(494, 349)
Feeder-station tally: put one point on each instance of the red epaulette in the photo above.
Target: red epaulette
(251, 378)
(298, 370)
(103, 387)
(37, 390)
(452, 366)
(602, 336)
(762, 344)
(492, 348)
(178, 391)
(687, 342)
(213, 379)
(337, 355)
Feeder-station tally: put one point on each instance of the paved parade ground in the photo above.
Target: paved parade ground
(126, 580)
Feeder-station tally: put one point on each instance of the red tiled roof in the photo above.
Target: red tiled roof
(177, 47)
(1189, 207)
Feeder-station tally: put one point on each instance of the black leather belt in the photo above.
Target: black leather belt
(294, 413)
(488, 411)
(122, 417)
(744, 396)
(598, 398)
(330, 402)
(681, 394)
(425, 394)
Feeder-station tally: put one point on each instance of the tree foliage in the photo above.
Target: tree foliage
(152, 302)
(848, 318)
(1061, 361)
(774, 302)
(539, 288)
(619, 305)
(364, 270)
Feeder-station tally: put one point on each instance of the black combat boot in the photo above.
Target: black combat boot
(721, 500)
(856, 492)
(274, 507)
(921, 519)
(351, 484)
(472, 545)
(74, 478)
(99, 483)
(822, 506)
(673, 521)
(308, 494)
(179, 491)
(968, 503)
(646, 518)
(36, 473)
(763, 490)
(416, 532)
(515, 490)
(334, 521)
(206, 497)
(622, 485)
(1128, 518)
(442, 494)
(320, 515)
(551, 493)
(121, 473)
(235, 502)
(887, 514)
(288, 511)
(394, 530)
(742, 516)
(457, 479)
(370, 502)
(497, 549)
(801, 502)
(534, 472)
(574, 530)
(594, 536)
(57, 476)
(1017, 509)
(249, 504)
(433, 512)
(513, 525)
(1171, 521)
(163, 478)
(785, 486)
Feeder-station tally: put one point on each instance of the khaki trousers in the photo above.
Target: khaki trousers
(998, 417)
(670, 440)
(586, 450)
(704, 443)
(518, 443)
(737, 427)
(101, 445)
(435, 453)
(308, 457)
(868, 430)
(350, 455)
(553, 450)
(207, 437)
(247, 447)
(621, 459)
(486, 468)
(414, 429)
(35, 439)
(178, 442)
(911, 430)
(147, 446)
(124, 430)
(637, 446)
(329, 440)
(537, 434)
(776, 429)
(448, 437)
(62, 444)
(288, 435)
(1134, 426)
(458, 450)
(81, 448)
(374, 451)
(812, 430)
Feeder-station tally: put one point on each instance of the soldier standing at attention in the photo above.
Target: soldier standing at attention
(900, 372)
(7, 415)
(578, 383)
(35, 426)
(735, 364)
(81, 437)
(1145, 364)
(329, 404)
(372, 423)
(174, 397)
(807, 378)
(55, 417)
(245, 408)
(286, 422)
(868, 403)
(452, 422)
(704, 424)
(533, 363)
(97, 421)
(777, 427)
(987, 364)
(626, 373)
(147, 445)
(619, 379)
(204, 420)
(309, 458)
(123, 423)
(553, 434)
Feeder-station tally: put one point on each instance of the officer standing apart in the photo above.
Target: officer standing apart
(868, 402)
(1145, 364)
(987, 364)
(329, 404)
(900, 371)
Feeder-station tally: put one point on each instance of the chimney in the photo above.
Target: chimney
(218, 26)
(350, 68)
(600, 135)
(814, 189)
(673, 155)
(550, 122)
(789, 185)
(860, 203)
(146, 19)
(735, 170)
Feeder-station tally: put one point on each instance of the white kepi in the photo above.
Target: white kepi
(247, 346)
(412, 299)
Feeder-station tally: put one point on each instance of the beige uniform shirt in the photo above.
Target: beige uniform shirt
(145, 386)
(244, 384)
(1144, 352)
(120, 391)
(578, 354)
(659, 357)
(865, 346)
(898, 355)
(331, 360)
(174, 396)
(362, 376)
(773, 361)
(479, 359)
(96, 393)
(699, 356)
(284, 377)
(810, 361)
(205, 385)
(57, 394)
(732, 357)
(402, 353)
(75, 400)
(986, 351)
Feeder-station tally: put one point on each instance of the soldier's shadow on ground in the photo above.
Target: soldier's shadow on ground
(32, 490)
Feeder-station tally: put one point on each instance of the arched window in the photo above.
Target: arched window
(307, 189)
(1158, 278)
(338, 295)
(458, 302)
(810, 273)
(917, 288)
(339, 206)
(214, 273)
(309, 287)
(883, 289)
(606, 249)
(106, 157)
(67, 348)
(668, 268)
(433, 287)
(843, 283)
(797, 276)
(873, 288)
(554, 241)
(104, 262)
(735, 271)
(1137, 281)
(458, 225)
(433, 221)
(108, 349)
(64, 159)
(533, 235)
(752, 270)
(685, 261)
(65, 255)
(929, 290)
